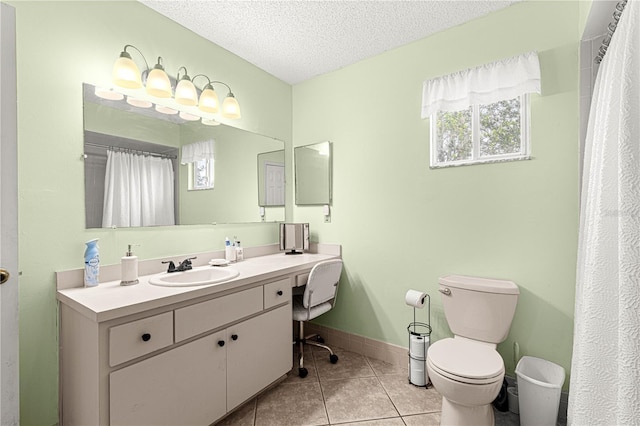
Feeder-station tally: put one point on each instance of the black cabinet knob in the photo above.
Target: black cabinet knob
(279, 292)
(146, 337)
(234, 337)
(221, 343)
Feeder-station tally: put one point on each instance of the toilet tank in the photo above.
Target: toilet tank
(479, 308)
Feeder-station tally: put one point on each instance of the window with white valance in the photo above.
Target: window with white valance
(200, 158)
(481, 114)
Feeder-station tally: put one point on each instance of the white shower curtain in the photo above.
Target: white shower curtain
(605, 370)
(138, 191)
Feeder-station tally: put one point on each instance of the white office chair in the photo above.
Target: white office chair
(319, 297)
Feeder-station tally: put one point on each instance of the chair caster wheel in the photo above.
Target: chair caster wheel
(319, 340)
(302, 372)
(333, 358)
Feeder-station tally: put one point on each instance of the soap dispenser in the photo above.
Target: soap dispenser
(129, 268)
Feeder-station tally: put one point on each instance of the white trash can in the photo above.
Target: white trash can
(539, 387)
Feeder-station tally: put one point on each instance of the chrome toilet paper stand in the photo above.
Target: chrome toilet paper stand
(422, 332)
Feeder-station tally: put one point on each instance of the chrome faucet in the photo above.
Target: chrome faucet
(185, 265)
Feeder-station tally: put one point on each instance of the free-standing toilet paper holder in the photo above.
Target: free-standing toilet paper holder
(419, 337)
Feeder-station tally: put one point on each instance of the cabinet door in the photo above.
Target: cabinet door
(260, 354)
(183, 386)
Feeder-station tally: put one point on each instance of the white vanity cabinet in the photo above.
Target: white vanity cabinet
(150, 355)
(185, 385)
(185, 364)
(199, 382)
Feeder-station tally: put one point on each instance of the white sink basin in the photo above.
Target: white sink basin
(194, 277)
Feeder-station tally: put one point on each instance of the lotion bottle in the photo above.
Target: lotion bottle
(129, 268)
(239, 252)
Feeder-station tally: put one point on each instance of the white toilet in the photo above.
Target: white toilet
(466, 369)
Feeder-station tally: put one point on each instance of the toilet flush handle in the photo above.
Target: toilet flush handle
(445, 291)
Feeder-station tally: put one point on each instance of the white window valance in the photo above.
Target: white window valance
(197, 151)
(486, 84)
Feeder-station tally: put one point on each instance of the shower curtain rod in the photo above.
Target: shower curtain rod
(611, 28)
(133, 151)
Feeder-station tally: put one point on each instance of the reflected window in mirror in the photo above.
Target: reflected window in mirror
(313, 174)
(201, 175)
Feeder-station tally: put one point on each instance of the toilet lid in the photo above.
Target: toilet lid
(466, 361)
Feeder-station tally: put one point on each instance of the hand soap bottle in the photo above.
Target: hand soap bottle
(129, 268)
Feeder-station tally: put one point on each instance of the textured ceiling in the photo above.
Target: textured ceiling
(297, 40)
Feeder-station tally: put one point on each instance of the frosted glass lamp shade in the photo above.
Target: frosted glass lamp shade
(125, 72)
(158, 83)
(189, 117)
(140, 103)
(186, 93)
(209, 100)
(210, 122)
(166, 110)
(109, 94)
(230, 107)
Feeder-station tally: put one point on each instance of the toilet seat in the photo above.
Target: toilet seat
(466, 361)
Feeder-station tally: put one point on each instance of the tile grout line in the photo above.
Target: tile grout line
(375, 374)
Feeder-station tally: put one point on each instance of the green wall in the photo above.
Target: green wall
(402, 224)
(60, 45)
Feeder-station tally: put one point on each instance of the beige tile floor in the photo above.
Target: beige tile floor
(355, 391)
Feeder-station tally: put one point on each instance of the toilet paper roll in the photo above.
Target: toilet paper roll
(418, 347)
(415, 298)
(418, 374)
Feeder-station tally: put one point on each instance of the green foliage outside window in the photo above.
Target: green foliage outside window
(495, 129)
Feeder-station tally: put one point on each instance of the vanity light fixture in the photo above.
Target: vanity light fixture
(186, 93)
(109, 94)
(230, 106)
(188, 117)
(209, 100)
(157, 83)
(166, 110)
(209, 122)
(140, 103)
(125, 71)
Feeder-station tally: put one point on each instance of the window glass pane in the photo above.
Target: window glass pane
(203, 174)
(500, 128)
(454, 136)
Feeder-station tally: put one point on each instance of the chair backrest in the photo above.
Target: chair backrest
(322, 283)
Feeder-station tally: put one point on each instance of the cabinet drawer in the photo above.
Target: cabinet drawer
(195, 319)
(277, 292)
(137, 338)
(302, 279)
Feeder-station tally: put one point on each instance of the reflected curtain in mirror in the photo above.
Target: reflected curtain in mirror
(138, 191)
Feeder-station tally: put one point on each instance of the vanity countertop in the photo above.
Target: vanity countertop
(110, 300)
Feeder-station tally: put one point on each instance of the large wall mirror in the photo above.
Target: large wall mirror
(118, 134)
(313, 174)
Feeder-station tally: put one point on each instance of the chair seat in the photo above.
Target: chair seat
(300, 312)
